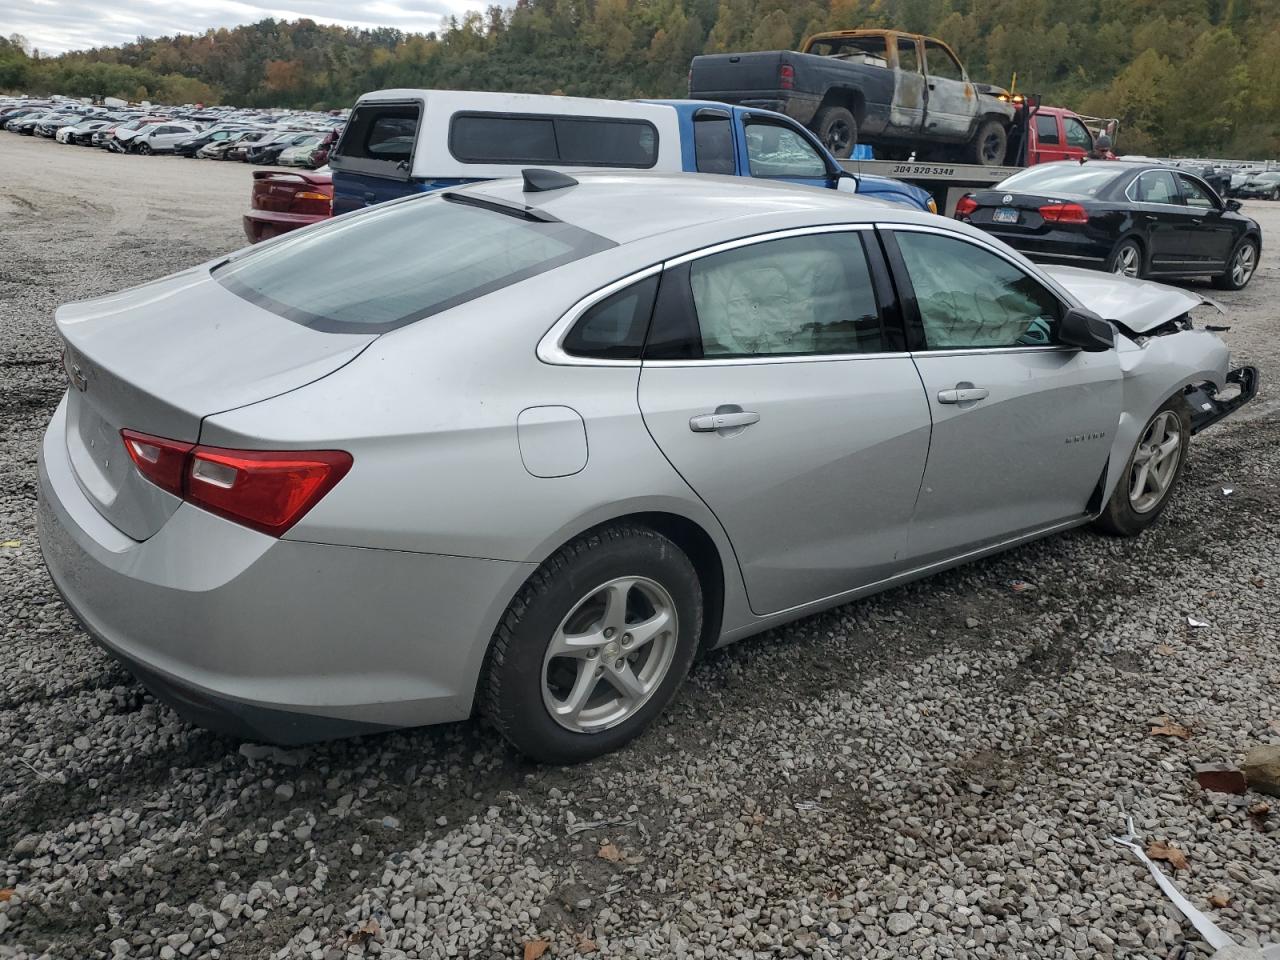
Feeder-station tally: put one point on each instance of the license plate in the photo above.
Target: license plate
(1005, 215)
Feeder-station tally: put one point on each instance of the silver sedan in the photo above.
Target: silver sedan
(529, 446)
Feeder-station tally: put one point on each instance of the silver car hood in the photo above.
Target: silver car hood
(1137, 305)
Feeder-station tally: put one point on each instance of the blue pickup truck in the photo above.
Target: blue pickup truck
(408, 141)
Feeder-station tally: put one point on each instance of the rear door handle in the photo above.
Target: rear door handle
(711, 422)
(963, 394)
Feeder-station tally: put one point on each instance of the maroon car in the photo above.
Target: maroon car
(283, 201)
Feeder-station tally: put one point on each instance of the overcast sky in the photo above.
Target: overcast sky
(55, 26)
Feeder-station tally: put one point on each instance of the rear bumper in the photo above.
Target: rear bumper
(1207, 409)
(277, 640)
(265, 224)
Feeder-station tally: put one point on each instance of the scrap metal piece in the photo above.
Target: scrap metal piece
(1210, 931)
(1225, 948)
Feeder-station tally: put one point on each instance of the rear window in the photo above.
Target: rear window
(401, 262)
(1081, 180)
(381, 133)
(568, 141)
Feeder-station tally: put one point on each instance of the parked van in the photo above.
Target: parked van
(409, 141)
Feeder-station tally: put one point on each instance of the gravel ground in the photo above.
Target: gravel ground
(930, 773)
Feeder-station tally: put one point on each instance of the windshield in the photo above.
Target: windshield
(398, 263)
(1081, 180)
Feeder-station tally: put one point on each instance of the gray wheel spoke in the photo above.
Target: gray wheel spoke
(615, 610)
(1139, 487)
(571, 706)
(638, 634)
(626, 682)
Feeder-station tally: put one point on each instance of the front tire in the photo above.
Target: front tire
(1151, 472)
(144, 149)
(1240, 268)
(594, 646)
(838, 131)
(989, 145)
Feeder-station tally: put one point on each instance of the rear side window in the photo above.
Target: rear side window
(379, 137)
(713, 144)
(1047, 129)
(567, 141)
(401, 262)
(614, 328)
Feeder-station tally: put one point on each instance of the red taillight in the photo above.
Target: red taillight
(159, 460)
(1064, 213)
(965, 206)
(267, 490)
(786, 76)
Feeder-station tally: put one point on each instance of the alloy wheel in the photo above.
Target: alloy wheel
(609, 654)
(1126, 264)
(1243, 264)
(1155, 462)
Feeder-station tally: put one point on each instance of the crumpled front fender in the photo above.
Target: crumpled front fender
(1162, 367)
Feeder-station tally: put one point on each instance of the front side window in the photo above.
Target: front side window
(1195, 195)
(777, 151)
(569, 141)
(1077, 134)
(1157, 186)
(969, 298)
(941, 63)
(795, 296)
(398, 263)
(713, 144)
(1047, 130)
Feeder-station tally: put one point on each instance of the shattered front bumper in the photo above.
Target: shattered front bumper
(1207, 408)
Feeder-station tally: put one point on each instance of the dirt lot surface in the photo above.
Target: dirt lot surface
(931, 773)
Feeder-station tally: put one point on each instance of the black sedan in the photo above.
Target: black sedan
(1136, 219)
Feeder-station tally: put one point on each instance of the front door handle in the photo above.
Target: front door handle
(963, 393)
(728, 420)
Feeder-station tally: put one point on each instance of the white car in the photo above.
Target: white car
(161, 137)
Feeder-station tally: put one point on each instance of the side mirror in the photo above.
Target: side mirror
(1088, 331)
(1233, 206)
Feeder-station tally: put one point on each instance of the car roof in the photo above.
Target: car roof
(607, 203)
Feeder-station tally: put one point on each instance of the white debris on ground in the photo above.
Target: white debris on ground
(933, 773)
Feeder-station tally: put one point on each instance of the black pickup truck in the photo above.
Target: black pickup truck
(901, 92)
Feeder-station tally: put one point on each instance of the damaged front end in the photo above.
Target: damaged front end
(1146, 313)
(1161, 351)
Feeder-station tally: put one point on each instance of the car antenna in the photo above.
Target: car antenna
(537, 180)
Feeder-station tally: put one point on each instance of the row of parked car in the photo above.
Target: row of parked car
(289, 139)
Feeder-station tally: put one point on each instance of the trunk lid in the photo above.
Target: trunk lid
(736, 74)
(1025, 206)
(161, 357)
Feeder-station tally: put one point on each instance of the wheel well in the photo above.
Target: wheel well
(702, 553)
(851, 100)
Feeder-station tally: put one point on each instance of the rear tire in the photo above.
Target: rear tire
(624, 606)
(1149, 475)
(1240, 268)
(1126, 259)
(838, 131)
(989, 144)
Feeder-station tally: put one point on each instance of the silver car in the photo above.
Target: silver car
(530, 446)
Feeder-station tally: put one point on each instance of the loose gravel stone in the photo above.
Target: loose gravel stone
(884, 780)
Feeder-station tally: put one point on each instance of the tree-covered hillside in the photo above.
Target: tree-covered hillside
(1184, 76)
